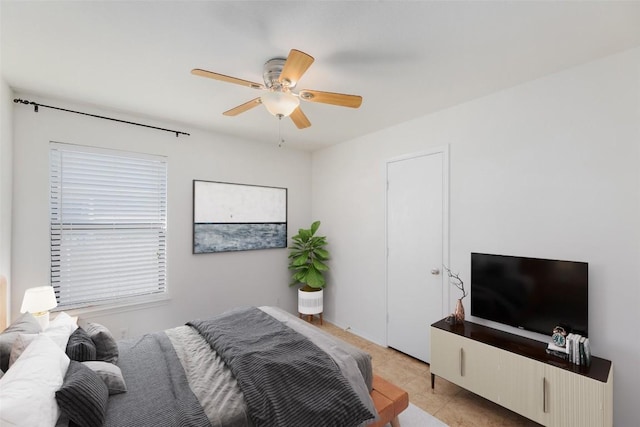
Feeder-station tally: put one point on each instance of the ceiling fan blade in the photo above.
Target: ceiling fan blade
(341, 99)
(243, 107)
(295, 66)
(299, 119)
(228, 79)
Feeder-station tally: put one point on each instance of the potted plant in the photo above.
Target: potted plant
(307, 258)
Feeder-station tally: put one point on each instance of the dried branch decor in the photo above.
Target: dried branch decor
(456, 281)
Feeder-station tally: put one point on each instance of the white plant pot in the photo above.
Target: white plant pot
(310, 302)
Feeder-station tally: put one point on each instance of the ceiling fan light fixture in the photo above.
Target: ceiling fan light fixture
(280, 103)
(280, 76)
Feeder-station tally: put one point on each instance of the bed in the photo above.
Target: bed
(251, 366)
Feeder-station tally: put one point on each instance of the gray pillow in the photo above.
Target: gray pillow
(19, 345)
(25, 324)
(83, 396)
(110, 374)
(106, 345)
(80, 346)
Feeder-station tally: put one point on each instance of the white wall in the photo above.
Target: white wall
(547, 169)
(200, 285)
(6, 138)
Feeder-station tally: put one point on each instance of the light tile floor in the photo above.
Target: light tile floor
(449, 403)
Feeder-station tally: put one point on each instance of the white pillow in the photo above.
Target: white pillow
(63, 319)
(27, 390)
(60, 329)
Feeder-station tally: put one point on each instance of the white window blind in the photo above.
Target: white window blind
(108, 214)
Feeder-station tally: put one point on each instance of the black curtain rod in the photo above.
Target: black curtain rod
(36, 105)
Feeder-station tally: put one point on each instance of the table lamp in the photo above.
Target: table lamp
(38, 301)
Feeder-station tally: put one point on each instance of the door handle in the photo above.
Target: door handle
(435, 271)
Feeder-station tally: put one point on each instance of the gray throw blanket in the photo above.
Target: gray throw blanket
(285, 378)
(158, 393)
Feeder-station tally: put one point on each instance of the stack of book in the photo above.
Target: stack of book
(577, 350)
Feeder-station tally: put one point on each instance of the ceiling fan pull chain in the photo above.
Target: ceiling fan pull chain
(280, 139)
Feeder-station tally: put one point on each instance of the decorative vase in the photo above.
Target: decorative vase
(458, 313)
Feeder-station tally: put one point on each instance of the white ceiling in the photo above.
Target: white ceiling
(405, 58)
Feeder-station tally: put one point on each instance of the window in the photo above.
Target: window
(108, 215)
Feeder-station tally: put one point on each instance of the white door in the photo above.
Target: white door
(416, 220)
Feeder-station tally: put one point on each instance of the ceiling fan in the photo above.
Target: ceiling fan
(280, 77)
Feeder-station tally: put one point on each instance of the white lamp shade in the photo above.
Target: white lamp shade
(39, 299)
(280, 103)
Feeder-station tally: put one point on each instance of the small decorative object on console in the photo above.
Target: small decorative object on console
(559, 336)
(455, 280)
(458, 313)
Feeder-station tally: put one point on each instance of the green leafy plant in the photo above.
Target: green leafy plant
(307, 258)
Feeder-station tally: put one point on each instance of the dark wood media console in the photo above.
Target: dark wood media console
(517, 373)
(598, 370)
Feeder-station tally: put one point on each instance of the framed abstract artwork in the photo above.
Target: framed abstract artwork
(238, 217)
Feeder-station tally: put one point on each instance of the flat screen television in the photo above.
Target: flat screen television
(530, 293)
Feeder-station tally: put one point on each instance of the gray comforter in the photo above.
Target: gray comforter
(174, 377)
(158, 392)
(286, 380)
